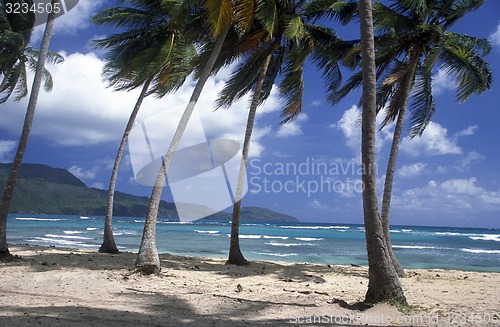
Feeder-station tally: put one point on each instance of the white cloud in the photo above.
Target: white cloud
(350, 125)
(413, 170)
(495, 36)
(293, 128)
(82, 173)
(6, 150)
(434, 141)
(471, 158)
(315, 204)
(469, 131)
(448, 197)
(442, 82)
(81, 110)
(98, 185)
(316, 103)
(70, 23)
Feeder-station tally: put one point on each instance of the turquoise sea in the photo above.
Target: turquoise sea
(472, 249)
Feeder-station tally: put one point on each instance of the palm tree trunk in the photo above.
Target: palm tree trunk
(148, 260)
(235, 255)
(108, 244)
(23, 141)
(391, 165)
(384, 284)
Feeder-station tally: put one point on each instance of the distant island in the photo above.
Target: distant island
(41, 189)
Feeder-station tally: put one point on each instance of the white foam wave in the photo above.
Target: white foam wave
(486, 237)
(69, 237)
(247, 236)
(91, 228)
(308, 239)
(206, 231)
(316, 227)
(288, 244)
(139, 221)
(275, 237)
(406, 230)
(69, 232)
(481, 251)
(59, 242)
(415, 247)
(278, 254)
(84, 217)
(41, 219)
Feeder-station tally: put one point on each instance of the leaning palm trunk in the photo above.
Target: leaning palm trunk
(383, 284)
(23, 141)
(148, 261)
(403, 94)
(108, 244)
(235, 255)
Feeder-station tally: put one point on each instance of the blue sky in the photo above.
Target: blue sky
(448, 177)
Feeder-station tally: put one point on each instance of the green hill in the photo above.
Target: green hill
(43, 189)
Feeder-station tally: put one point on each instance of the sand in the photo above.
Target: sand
(70, 287)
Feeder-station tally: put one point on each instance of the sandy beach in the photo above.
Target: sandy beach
(71, 287)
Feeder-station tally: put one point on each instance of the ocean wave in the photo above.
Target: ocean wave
(125, 232)
(486, 237)
(41, 219)
(278, 254)
(84, 217)
(69, 237)
(275, 237)
(406, 230)
(316, 227)
(308, 239)
(206, 231)
(481, 251)
(420, 247)
(69, 232)
(59, 242)
(91, 228)
(288, 244)
(139, 221)
(247, 236)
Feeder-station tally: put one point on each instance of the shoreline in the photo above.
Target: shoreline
(80, 287)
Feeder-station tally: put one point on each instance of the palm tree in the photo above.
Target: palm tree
(23, 141)
(140, 57)
(383, 284)
(285, 49)
(16, 55)
(412, 39)
(220, 16)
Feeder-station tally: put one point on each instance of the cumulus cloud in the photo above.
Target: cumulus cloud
(350, 125)
(315, 204)
(434, 141)
(293, 128)
(441, 82)
(73, 21)
(495, 36)
(413, 170)
(449, 196)
(6, 150)
(82, 111)
(82, 173)
(469, 131)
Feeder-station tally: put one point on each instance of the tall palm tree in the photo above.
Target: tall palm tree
(23, 141)
(220, 16)
(148, 53)
(383, 284)
(16, 56)
(412, 39)
(285, 48)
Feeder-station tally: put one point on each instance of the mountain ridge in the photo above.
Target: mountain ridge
(41, 189)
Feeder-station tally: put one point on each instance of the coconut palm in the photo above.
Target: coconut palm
(219, 17)
(383, 281)
(149, 54)
(413, 39)
(16, 56)
(23, 141)
(285, 48)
